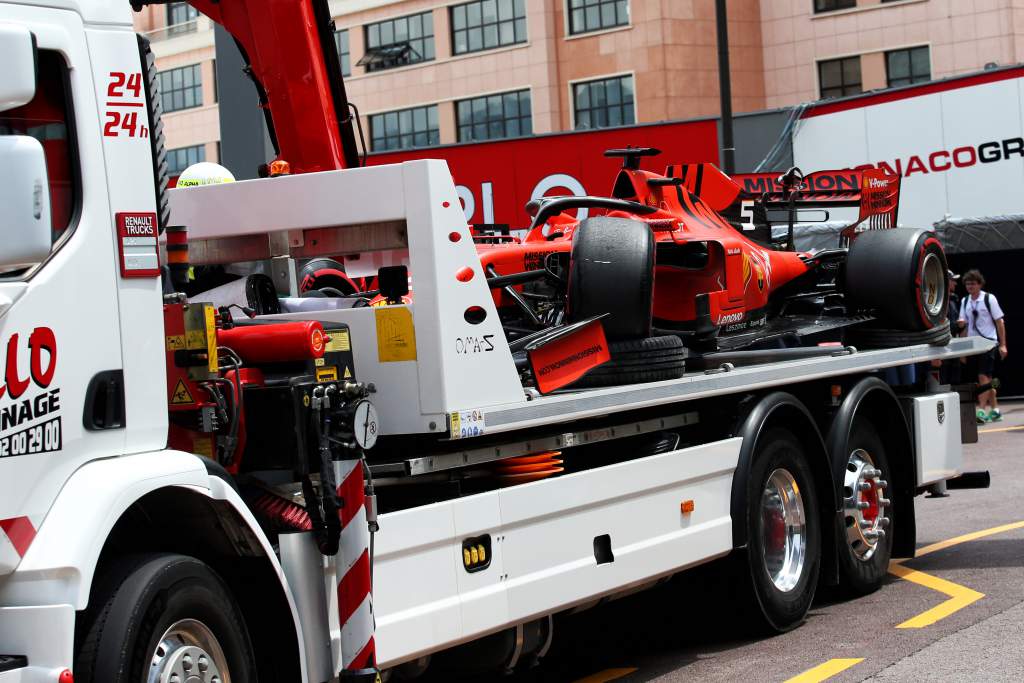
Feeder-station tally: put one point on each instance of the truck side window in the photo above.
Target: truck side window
(48, 119)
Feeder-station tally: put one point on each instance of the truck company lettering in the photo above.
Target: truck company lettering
(18, 412)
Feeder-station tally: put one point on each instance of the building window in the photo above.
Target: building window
(903, 67)
(839, 77)
(183, 157)
(506, 115)
(341, 45)
(180, 18)
(397, 42)
(608, 102)
(487, 24)
(181, 88)
(416, 127)
(832, 5)
(594, 15)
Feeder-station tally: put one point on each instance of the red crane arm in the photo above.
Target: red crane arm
(289, 47)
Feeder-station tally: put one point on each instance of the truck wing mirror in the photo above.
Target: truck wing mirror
(25, 196)
(18, 75)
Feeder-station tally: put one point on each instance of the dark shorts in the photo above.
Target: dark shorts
(984, 364)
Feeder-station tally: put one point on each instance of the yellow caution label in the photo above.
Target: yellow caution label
(211, 337)
(347, 374)
(203, 445)
(396, 336)
(318, 361)
(181, 394)
(327, 374)
(195, 340)
(175, 342)
(339, 341)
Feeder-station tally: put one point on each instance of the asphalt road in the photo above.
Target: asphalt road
(667, 634)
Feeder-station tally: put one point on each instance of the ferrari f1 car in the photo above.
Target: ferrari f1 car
(694, 256)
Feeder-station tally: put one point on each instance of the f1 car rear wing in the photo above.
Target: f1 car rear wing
(749, 200)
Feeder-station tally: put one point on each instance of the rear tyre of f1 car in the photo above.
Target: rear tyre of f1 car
(638, 360)
(784, 537)
(866, 527)
(611, 270)
(162, 617)
(864, 337)
(901, 275)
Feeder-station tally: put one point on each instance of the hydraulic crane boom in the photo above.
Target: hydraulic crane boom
(289, 48)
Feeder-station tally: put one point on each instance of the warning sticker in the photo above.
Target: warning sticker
(339, 341)
(181, 394)
(175, 342)
(466, 423)
(396, 337)
(327, 374)
(347, 374)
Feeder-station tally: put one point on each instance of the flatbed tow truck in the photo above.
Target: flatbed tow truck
(187, 494)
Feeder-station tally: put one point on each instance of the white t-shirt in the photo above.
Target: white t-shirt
(983, 324)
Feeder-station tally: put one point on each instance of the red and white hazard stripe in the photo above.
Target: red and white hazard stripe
(352, 566)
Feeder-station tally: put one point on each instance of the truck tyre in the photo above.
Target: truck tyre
(157, 615)
(866, 533)
(900, 274)
(611, 270)
(784, 547)
(638, 360)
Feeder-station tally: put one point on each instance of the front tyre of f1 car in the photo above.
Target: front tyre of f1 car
(901, 275)
(163, 617)
(784, 547)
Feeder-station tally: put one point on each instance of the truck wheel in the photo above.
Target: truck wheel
(866, 533)
(901, 275)
(163, 617)
(638, 360)
(784, 549)
(611, 270)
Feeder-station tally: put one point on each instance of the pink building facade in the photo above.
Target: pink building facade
(427, 72)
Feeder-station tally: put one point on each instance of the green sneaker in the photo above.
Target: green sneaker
(995, 415)
(982, 416)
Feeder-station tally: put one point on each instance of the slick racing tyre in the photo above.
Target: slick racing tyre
(638, 360)
(611, 270)
(163, 617)
(865, 530)
(901, 275)
(880, 338)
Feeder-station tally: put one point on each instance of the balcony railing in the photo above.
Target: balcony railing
(174, 30)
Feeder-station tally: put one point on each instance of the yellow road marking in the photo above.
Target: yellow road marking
(825, 671)
(1000, 429)
(968, 537)
(959, 596)
(607, 675)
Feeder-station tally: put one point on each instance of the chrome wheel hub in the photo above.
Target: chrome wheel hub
(864, 505)
(783, 530)
(188, 652)
(933, 284)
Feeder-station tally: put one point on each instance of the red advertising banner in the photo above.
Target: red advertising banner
(496, 179)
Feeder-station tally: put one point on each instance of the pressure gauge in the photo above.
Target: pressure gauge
(364, 424)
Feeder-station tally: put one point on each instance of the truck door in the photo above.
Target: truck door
(60, 341)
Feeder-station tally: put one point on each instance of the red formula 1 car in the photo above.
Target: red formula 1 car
(693, 256)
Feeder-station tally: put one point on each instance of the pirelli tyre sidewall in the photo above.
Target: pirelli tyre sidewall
(783, 590)
(900, 276)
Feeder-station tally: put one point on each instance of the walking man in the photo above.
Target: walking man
(981, 316)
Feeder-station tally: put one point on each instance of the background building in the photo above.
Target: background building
(428, 72)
